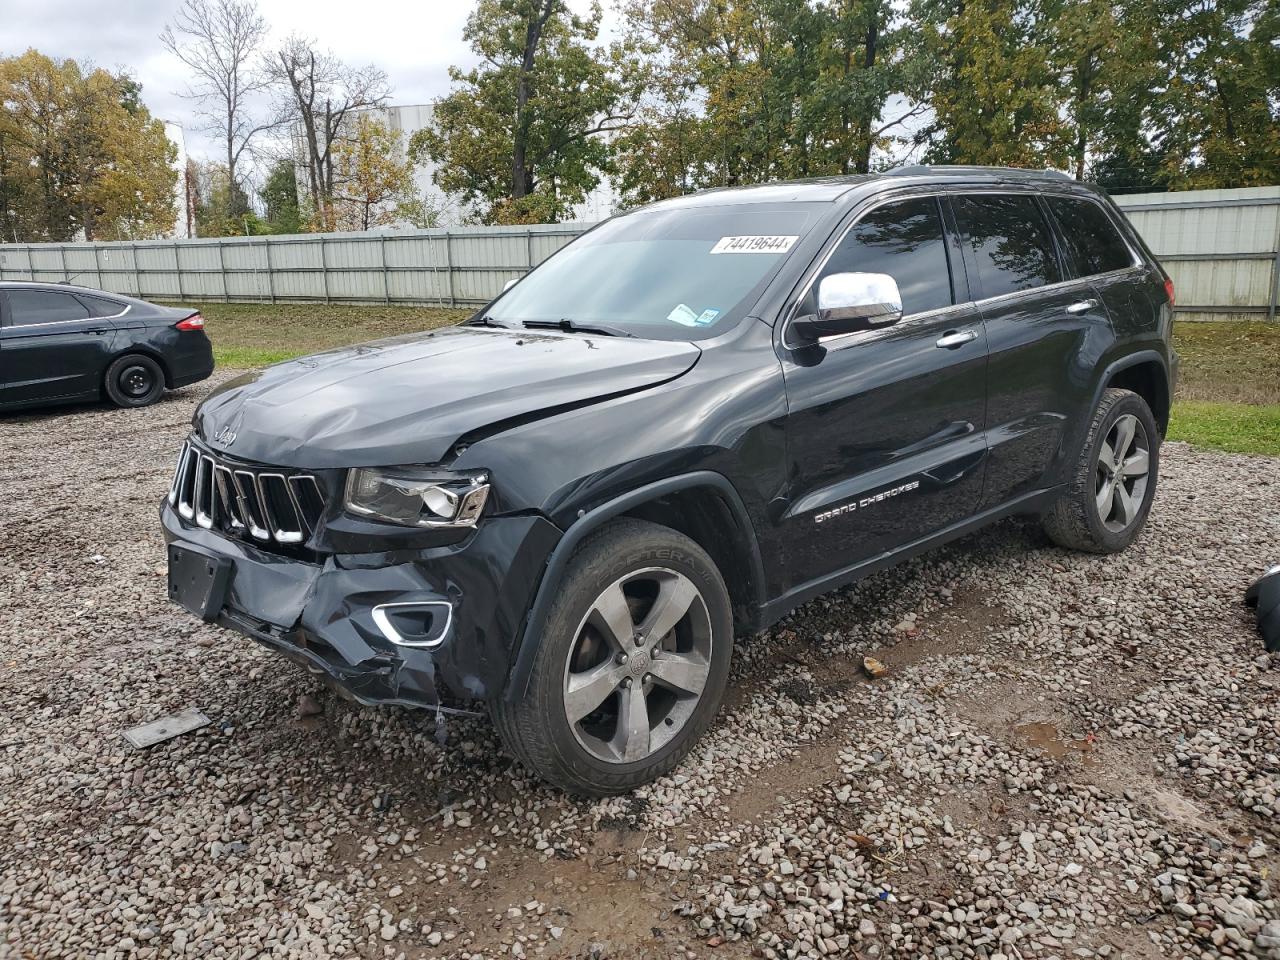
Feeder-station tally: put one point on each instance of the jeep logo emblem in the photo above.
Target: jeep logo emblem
(226, 436)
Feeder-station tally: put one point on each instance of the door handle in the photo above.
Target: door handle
(1082, 306)
(956, 338)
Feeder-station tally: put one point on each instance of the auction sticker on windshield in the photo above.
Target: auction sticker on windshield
(754, 244)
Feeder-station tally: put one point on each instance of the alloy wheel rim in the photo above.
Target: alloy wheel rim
(638, 666)
(1120, 478)
(135, 381)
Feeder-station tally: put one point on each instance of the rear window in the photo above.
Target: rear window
(1010, 241)
(1093, 243)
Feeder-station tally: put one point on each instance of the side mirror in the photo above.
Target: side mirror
(510, 283)
(850, 302)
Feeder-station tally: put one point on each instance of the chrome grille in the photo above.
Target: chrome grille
(267, 505)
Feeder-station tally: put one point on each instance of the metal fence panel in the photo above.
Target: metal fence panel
(1222, 248)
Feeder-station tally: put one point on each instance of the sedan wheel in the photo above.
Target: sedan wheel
(136, 381)
(638, 666)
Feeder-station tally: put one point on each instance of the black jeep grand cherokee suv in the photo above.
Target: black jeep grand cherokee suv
(690, 420)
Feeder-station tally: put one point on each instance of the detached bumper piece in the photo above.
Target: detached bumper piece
(1264, 595)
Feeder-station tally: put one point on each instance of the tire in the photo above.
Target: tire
(1100, 513)
(629, 574)
(134, 380)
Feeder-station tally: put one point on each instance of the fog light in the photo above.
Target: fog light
(414, 624)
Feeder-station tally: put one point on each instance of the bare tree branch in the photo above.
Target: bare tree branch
(317, 92)
(218, 41)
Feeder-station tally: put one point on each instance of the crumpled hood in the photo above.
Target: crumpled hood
(409, 399)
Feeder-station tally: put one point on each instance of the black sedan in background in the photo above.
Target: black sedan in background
(60, 343)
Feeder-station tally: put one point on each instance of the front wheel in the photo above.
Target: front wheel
(1109, 496)
(633, 662)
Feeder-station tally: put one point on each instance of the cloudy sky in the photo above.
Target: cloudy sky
(414, 42)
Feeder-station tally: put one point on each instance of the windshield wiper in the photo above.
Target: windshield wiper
(569, 326)
(487, 321)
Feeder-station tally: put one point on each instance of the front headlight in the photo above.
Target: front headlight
(418, 499)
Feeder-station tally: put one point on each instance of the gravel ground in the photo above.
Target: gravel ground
(1071, 756)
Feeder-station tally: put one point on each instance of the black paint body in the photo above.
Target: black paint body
(65, 361)
(742, 440)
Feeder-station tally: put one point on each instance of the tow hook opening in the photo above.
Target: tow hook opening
(414, 624)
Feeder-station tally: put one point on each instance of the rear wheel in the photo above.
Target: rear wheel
(134, 380)
(632, 665)
(1106, 504)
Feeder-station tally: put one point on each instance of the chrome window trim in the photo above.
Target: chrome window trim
(839, 341)
(384, 623)
(33, 326)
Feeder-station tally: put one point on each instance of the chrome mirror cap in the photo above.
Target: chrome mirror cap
(849, 303)
(870, 297)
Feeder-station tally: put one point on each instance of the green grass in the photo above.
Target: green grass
(1236, 427)
(256, 334)
(1228, 391)
(1229, 361)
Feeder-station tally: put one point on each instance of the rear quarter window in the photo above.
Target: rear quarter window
(100, 306)
(1094, 244)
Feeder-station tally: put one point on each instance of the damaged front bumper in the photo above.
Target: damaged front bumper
(432, 627)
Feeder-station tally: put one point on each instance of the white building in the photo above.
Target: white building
(184, 225)
(408, 120)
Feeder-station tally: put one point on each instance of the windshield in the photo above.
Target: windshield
(672, 274)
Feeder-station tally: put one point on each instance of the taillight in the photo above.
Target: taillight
(1168, 289)
(193, 322)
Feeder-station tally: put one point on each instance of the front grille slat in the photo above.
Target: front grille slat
(267, 505)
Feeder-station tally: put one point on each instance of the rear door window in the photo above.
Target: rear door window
(1093, 242)
(1009, 241)
(905, 240)
(32, 307)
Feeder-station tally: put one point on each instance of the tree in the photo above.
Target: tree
(218, 41)
(1216, 117)
(747, 90)
(317, 93)
(216, 197)
(280, 196)
(80, 153)
(373, 184)
(522, 135)
(995, 96)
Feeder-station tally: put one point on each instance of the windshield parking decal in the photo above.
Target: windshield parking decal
(683, 315)
(757, 244)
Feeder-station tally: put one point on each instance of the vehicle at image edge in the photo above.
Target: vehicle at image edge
(64, 344)
(690, 420)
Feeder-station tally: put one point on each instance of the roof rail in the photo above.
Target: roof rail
(959, 170)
